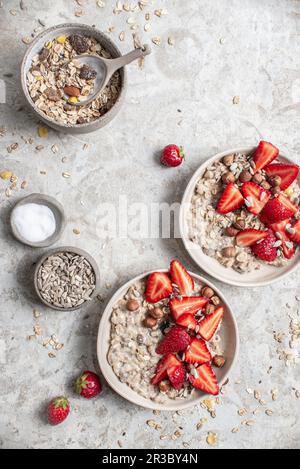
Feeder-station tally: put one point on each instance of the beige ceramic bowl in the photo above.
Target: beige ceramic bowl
(67, 29)
(265, 276)
(228, 333)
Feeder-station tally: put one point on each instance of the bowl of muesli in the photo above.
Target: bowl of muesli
(53, 82)
(240, 216)
(167, 339)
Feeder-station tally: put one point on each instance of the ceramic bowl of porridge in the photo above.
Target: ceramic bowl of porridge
(52, 82)
(170, 354)
(239, 217)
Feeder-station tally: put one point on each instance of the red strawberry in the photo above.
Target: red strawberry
(176, 376)
(159, 286)
(264, 155)
(205, 380)
(288, 204)
(58, 410)
(295, 235)
(230, 200)
(255, 197)
(265, 250)
(276, 210)
(188, 304)
(176, 340)
(172, 156)
(167, 362)
(209, 325)
(181, 278)
(197, 352)
(287, 172)
(287, 246)
(249, 237)
(187, 320)
(88, 385)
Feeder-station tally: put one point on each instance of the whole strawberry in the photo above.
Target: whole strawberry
(172, 156)
(176, 340)
(58, 410)
(88, 385)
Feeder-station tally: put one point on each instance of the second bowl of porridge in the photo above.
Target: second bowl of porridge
(165, 343)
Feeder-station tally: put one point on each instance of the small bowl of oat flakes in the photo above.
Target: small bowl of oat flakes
(52, 82)
(66, 278)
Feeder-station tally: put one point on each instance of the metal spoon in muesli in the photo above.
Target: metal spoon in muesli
(101, 70)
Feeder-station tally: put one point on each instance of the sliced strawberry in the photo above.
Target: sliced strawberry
(255, 197)
(287, 172)
(265, 250)
(288, 204)
(277, 210)
(230, 200)
(205, 379)
(197, 352)
(294, 233)
(159, 286)
(187, 320)
(264, 155)
(167, 362)
(176, 340)
(287, 245)
(209, 325)
(249, 237)
(176, 376)
(188, 304)
(181, 278)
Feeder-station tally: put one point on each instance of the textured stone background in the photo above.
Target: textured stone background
(256, 59)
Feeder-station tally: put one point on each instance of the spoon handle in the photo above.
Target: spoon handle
(115, 64)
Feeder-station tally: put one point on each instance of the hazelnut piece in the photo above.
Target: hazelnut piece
(228, 252)
(156, 313)
(207, 292)
(227, 178)
(164, 386)
(218, 361)
(239, 223)
(276, 190)
(257, 178)
(210, 309)
(266, 185)
(245, 176)
(132, 305)
(228, 160)
(215, 300)
(231, 231)
(150, 322)
(275, 181)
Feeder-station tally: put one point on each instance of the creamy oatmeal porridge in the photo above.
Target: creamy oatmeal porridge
(138, 327)
(217, 234)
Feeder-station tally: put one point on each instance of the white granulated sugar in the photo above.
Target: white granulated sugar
(34, 222)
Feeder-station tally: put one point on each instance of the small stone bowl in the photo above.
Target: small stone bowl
(73, 250)
(65, 30)
(58, 213)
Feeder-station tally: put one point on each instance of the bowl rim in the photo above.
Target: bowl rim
(121, 388)
(43, 116)
(74, 250)
(49, 201)
(185, 201)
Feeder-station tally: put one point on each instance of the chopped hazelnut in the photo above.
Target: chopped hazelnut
(266, 185)
(132, 305)
(227, 178)
(210, 309)
(231, 231)
(156, 313)
(207, 292)
(228, 160)
(245, 176)
(215, 300)
(258, 178)
(276, 190)
(275, 181)
(239, 224)
(150, 322)
(164, 386)
(228, 252)
(218, 361)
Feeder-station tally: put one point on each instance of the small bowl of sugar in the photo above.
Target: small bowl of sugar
(37, 220)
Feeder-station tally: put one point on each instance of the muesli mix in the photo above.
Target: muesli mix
(165, 337)
(56, 81)
(245, 210)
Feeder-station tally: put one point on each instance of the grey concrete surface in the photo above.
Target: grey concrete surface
(184, 94)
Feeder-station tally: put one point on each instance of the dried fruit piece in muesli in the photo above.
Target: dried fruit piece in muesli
(79, 43)
(87, 73)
